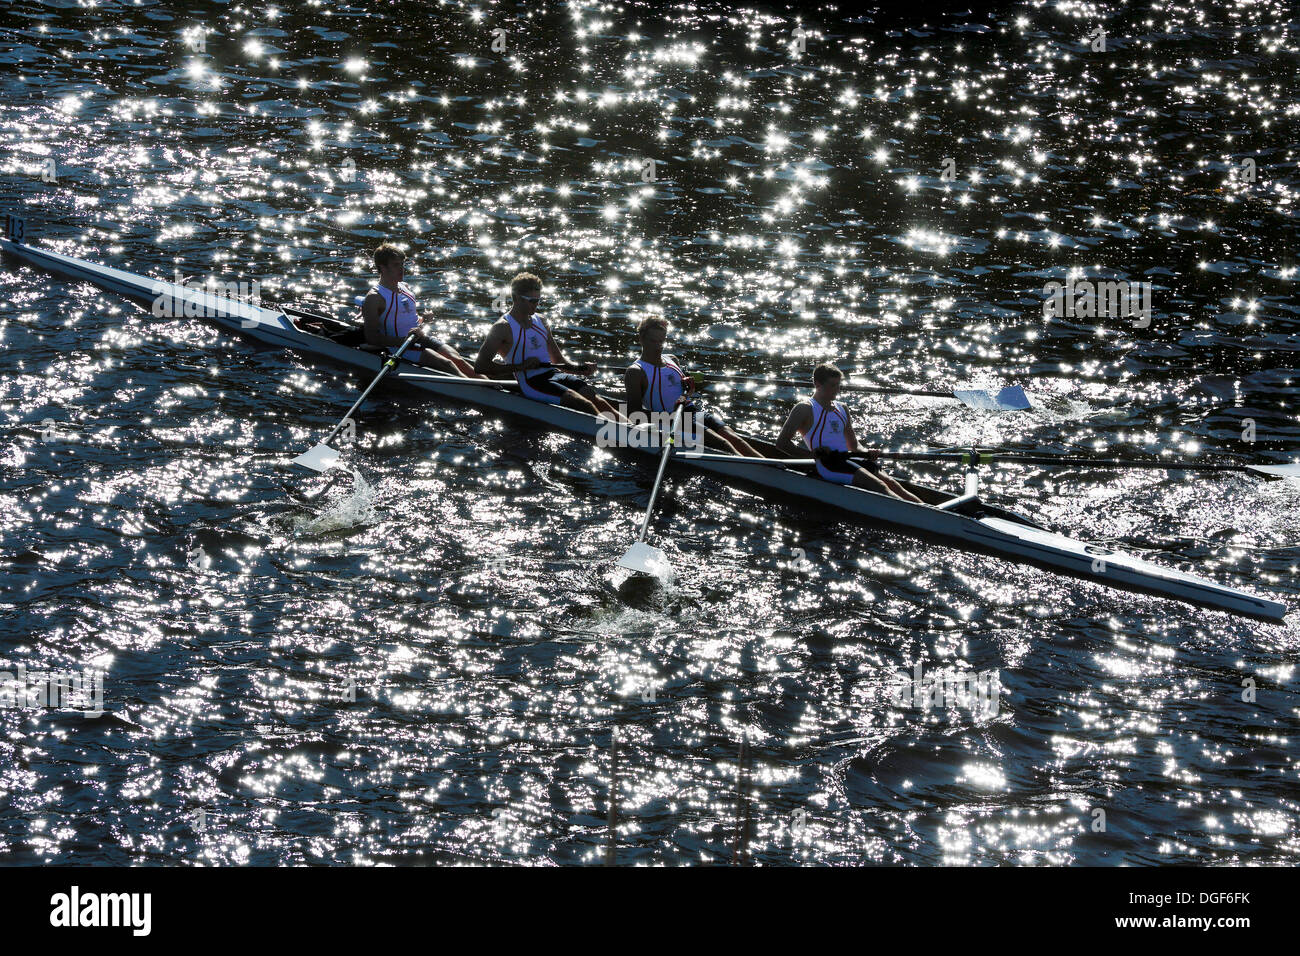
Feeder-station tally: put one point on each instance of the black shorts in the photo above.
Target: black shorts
(549, 385)
(703, 413)
(834, 460)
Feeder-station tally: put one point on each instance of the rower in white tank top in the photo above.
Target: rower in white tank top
(828, 441)
(656, 381)
(400, 315)
(533, 340)
(521, 346)
(389, 314)
(828, 433)
(664, 384)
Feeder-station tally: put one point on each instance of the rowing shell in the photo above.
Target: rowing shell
(976, 525)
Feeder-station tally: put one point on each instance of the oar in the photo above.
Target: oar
(321, 457)
(742, 460)
(1012, 398)
(456, 380)
(1290, 470)
(642, 556)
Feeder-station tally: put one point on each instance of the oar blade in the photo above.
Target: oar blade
(645, 559)
(1278, 471)
(1009, 399)
(321, 458)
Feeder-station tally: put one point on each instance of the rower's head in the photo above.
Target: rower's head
(652, 331)
(826, 382)
(391, 263)
(525, 295)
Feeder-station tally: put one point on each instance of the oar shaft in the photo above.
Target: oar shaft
(986, 458)
(663, 466)
(1174, 465)
(456, 380)
(387, 367)
(1065, 460)
(742, 460)
(806, 383)
(798, 383)
(883, 390)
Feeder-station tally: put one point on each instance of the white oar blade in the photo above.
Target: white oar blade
(1278, 471)
(319, 458)
(1010, 399)
(645, 559)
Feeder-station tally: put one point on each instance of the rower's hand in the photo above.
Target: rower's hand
(871, 456)
(530, 363)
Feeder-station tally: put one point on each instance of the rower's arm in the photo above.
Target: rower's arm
(850, 439)
(634, 384)
(497, 341)
(372, 308)
(556, 355)
(799, 421)
(372, 312)
(688, 380)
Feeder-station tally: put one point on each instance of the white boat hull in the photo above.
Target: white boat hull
(995, 531)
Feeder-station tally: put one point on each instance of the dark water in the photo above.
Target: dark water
(431, 663)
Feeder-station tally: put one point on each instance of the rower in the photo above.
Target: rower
(828, 433)
(388, 314)
(531, 355)
(656, 383)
